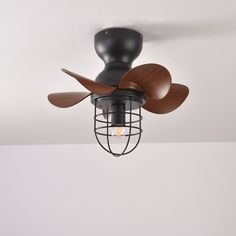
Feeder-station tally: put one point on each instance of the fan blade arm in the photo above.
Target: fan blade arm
(152, 79)
(174, 98)
(67, 99)
(91, 85)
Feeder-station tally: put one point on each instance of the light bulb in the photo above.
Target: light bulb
(117, 131)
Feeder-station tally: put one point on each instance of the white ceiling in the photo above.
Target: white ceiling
(195, 40)
(75, 190)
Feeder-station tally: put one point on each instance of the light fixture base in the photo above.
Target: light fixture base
(119, 96)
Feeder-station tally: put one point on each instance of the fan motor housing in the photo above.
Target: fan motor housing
(118, 48)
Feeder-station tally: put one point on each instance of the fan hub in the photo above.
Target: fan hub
(119, 96)
(118, 48)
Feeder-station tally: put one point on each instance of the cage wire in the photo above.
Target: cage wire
(132, 129)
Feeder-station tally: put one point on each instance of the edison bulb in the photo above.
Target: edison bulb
(117, 131)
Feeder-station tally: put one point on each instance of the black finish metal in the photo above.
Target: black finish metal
(118, 45)
(118, 48)
(118, 114)
(112, 73)
(119, 96)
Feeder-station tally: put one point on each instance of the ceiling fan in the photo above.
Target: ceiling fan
(120, 92)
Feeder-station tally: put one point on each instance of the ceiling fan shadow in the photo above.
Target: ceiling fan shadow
(165, 31)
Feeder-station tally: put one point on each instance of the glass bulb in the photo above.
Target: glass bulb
(118, 131)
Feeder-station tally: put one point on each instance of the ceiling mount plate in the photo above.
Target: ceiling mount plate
(118, 45)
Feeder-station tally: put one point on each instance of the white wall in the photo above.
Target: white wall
(160, 189)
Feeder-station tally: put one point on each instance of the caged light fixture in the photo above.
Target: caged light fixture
(119, 92)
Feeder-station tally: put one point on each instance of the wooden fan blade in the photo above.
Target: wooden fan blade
(153, 79)
(69, 99)
(91, 85)
(174, 98)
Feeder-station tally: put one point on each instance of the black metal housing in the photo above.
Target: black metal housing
(117, 114)
(104, 102)
(118, 48)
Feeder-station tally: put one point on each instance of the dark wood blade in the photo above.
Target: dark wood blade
(69, 99)
(91, 85)
(174, 98)
(153, 79)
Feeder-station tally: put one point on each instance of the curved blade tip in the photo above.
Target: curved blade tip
(64, 70)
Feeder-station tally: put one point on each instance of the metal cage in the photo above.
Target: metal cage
(103, 124)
